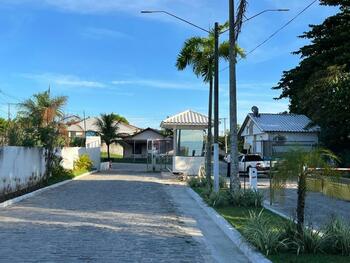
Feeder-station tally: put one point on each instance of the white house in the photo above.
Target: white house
(270, 134)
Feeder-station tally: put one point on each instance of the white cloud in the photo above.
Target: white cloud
(63, 80)
(160, 84)
(100, 33)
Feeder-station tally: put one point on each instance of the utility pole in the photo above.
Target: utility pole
(216, 108)
(234, 177)
(84, 128)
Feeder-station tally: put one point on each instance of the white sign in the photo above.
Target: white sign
(253, 178)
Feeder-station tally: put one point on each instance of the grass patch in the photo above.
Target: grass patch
(113, 155)
(238, 217)
(65, 175)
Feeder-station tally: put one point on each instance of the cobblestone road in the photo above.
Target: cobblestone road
(100, 218)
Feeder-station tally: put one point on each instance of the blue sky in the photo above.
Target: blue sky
(107, 57)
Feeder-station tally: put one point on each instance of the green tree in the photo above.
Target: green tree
(296, 165)
(107, 128)
(198, 52)
(39, 118)
(319, 86)
(119, 118)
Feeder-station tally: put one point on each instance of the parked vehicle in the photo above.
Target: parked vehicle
(247, 161)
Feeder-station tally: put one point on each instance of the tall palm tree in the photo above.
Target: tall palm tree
(107, 128)
(298, 164)
(198, 52)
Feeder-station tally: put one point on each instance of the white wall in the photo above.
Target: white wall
(71, 154)
(20, 166)
(187, 165)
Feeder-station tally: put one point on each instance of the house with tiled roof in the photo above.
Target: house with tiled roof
(270, 134)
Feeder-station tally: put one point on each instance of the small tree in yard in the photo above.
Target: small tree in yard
(107, 128)
(299, 164)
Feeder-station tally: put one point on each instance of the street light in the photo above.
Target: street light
(216, 92)
(175, 16)
(258, 14)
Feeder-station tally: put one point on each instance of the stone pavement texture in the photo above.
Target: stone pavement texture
(116, 216)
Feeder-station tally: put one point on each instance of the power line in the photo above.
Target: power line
(277, 31)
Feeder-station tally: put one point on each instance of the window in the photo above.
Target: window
(137, 149)
(253, 158)
(190, 143)
(91, 133)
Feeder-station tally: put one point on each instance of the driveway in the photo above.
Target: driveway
(118, 216)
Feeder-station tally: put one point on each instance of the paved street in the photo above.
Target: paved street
(120, 216)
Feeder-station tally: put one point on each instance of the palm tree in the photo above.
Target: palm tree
(107, 128)
(198, 52)
(41, 116)
(43, 109)
(298, 164)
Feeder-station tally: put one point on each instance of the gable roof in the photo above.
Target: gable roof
(186, 118)
(268, 122)
(143, 131)
(90, 124)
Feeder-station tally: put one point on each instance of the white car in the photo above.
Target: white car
(247, 161)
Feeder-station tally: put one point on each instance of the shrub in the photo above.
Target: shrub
(337, 237)
(310, 241)
(219, 199)
(83, 163)
(259, 232)
(247, 198)
(195, 181)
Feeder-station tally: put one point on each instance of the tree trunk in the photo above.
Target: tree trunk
(109, 157)
(234, 176)
(301, 202)
(208, 168)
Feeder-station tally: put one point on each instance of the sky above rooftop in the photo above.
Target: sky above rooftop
(108, 57)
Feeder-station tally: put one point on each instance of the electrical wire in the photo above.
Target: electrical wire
(277, 31)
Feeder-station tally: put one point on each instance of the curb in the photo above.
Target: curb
(41, 190)
(249, 251)
(267, 206)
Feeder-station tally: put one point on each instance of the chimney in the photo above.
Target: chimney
(255, 111)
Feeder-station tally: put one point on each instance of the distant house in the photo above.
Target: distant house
(132, 141)
(271, 134)
(77, 129)
(139, 144)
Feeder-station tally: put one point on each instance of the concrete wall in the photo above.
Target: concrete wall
(20, 167)
(70, 154)
(114, 148)
(187, 165)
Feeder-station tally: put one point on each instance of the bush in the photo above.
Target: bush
(310, 241)
(219, 199)
(259, 232)
(195, 181)
(337, 237)
(247, 198)
(83, 163)
(77, 142)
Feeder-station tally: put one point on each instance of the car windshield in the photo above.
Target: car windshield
(253, 158)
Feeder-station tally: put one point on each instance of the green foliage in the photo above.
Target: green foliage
(319, 86)
(259, 232)
(77, 142)
(295, 165)
(83, 163)
(219, 199)
(337, 234)
(247, 198)
(195, 181)
(119, 118)
(107, 128)
(309, 241)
